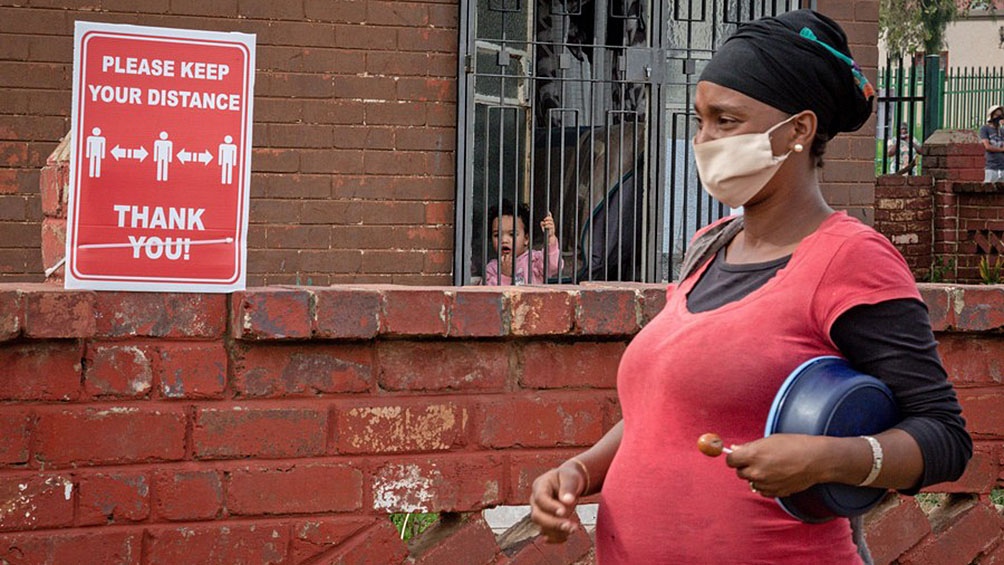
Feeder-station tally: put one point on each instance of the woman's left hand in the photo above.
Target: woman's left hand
(779, 465)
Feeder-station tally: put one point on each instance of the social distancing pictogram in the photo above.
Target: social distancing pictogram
(160, 159)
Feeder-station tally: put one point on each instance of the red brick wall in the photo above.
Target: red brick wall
(355, 126)
(848, 174)
(282, 425)
(904, 214)
(945, 224)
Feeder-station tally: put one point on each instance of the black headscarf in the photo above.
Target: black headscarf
(796, 61)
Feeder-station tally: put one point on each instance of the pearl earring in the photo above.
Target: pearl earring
(798, 148)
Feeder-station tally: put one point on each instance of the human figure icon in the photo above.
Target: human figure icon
(227, 160)
(95, 152)
(162, 155)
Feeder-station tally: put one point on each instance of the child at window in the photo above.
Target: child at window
(509, 240)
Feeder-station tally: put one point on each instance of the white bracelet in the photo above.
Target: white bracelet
(876, 461)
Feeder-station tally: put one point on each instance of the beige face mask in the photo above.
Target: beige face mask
(734, 169)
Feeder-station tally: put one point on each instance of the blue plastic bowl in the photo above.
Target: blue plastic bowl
(825, 396)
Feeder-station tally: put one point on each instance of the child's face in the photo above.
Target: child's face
(512, 241)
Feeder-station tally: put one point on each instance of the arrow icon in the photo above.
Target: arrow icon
(186, 156)
(138, 154)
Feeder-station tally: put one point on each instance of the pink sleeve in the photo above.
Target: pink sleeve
(553, 258)
(865, 269)
(491, 273)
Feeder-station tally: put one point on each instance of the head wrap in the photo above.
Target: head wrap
(796, 61)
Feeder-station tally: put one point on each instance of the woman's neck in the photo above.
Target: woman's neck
(774, 227)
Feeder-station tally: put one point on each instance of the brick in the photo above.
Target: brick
(422, 365)
(11, 314)
(153, 314)
(192, 370)
(347, 313)
(454, 482)
(576, 364)
(280, 490)
(41, 371)
(544, 421)
(59, 313)
(14, 442)
(35, 501)
(187, 494)
(274, 313)
(970, 360)
(318, 536)
(607, 311)
(981, 309)
(262, 543)
(981, 409)
(458, 539)
(531, 549)
(116, 434)
(940, 301)
(894, 526)
(477, 312)
(335, 12)
(538, 311)
(113, 498)
(54, 246)
(241, 431)
(402, 426)
(105, 548)
(963, 529)
(379, 543)
(121, 371)
(415, 311)
(308, 370)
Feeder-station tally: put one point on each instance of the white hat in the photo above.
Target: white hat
(992, 109)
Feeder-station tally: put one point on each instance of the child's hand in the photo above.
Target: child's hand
(547, 225)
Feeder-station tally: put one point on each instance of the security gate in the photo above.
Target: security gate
(582, 109)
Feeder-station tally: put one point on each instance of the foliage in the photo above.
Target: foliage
(910, 26)
(940, 269)
(991, 274)
(411, 525)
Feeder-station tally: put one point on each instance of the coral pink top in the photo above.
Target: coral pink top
(685, 374)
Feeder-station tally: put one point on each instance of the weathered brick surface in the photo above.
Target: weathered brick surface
(383, 426)
(34, 501)
(280, 490)
(143, 445)
(264, 543)
(187, 493)
(41, 370)
(261, 432)
(113, 498)
(111, 434)
(302, 370)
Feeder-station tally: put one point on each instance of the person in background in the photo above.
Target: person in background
(788, 281)
(509, 240)
(902, 152)
(993, 144)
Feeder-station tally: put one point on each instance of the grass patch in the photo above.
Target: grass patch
(997, 496)
(413, 524)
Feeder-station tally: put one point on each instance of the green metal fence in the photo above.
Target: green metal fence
(964, 95)
(967, 93)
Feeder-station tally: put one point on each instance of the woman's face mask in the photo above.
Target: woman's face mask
(734, 169)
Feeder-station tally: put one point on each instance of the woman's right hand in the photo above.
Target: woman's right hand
(553, 497)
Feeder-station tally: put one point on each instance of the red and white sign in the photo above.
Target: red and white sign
(160, 159)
